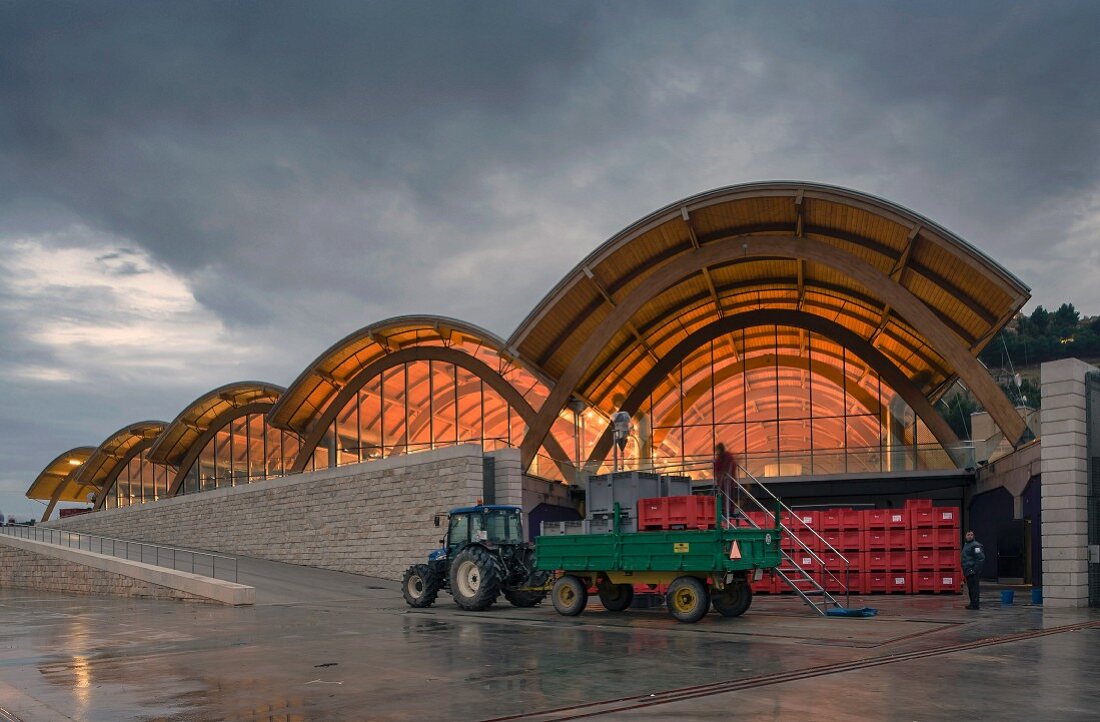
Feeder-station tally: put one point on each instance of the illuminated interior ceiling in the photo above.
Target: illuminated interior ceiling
(109, 457)
(59, 477)
(209, 412)
(921, 296)
(407, 338)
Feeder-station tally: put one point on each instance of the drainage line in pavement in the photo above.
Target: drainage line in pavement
(589, 709)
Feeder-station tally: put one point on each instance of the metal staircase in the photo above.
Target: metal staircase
(813, 593)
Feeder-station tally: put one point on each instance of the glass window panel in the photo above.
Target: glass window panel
(518, 428)
(292, 446)
(495, 420)
(223, 458)
(207, 469)
(470, 419)
(393, 417)
(239, 431)
(257, 434)
(443, 404)
(148, 482)
(347, 433)
(370, 409)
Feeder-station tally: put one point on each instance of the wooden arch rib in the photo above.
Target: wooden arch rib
(212, 428)
(112, 477)
(426, 353)
(871, 356)
(668, 274)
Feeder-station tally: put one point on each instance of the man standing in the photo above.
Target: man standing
(724, 476)
(973, 558)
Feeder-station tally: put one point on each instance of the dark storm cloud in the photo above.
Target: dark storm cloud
(308, 168)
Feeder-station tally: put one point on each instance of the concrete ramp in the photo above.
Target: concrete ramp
(30, 564)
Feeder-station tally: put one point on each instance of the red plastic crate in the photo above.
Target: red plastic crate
(885, 539)
(807, 537)
(929, 559)
(885, 583)
(849, 540)
(835, 561)
(676, 512)
(885, 560)
(922, 518)
(830, 520)
(918, 503)
(885, 519)
(851, 519)
(946, 517)
(936, 581)
(947, 538)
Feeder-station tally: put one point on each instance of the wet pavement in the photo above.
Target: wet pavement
(322, 645)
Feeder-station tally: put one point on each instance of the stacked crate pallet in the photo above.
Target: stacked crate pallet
(934, 538)
(888, 551)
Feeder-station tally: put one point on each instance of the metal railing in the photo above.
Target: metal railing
(184, 560)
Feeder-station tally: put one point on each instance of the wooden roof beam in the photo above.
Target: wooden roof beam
(898, 269)
(798, 230)
(690, 227)
(611, 302)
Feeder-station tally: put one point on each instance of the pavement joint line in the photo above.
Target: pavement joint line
(623, 704)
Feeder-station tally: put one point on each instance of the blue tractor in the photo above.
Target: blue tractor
(483, 555)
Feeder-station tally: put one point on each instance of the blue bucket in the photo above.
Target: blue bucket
(1037, 595)
(1006, 596)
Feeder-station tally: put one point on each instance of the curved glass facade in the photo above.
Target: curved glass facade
(244, 450)
(786, 402)
(139, 481)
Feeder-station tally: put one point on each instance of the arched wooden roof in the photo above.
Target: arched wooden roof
(922, 296)
(311, 393)
(59, 475)
(104, 464)
(205, 411)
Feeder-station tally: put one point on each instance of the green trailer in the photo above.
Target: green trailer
(701, 567)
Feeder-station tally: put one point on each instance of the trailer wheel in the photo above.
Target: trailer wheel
(475, 579)
(420, 586)
(687, 599)
(733, 601)
(570, 595)
(616, 597)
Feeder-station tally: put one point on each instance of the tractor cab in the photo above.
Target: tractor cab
(489, 525)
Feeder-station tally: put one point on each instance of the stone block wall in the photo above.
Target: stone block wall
(23, 569)
(373, 518)
(1063, 464)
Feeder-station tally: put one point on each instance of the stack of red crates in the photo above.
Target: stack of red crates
(888, 551)
(934, 540)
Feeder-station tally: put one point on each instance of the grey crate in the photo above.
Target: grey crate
(559, 528)
(606, 526)
(675, 486)
(625, 488)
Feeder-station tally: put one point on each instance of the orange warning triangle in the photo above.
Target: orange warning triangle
(735, 550)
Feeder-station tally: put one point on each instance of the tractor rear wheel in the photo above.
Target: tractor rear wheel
(616, 597)
(524, 599)
(733, 601)
(475, 579)
(570, 595)
(420, 586)
(687, 599)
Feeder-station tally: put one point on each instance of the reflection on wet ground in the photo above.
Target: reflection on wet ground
(328, 646)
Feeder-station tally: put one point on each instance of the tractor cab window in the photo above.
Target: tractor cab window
(459, 530)
(504, 527)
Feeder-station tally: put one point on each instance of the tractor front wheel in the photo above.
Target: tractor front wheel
(733, 601)
(687, 599)
(475, 579)
(616, 597)
(420, 586)
(570, 595)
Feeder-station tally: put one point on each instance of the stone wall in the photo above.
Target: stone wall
(1065, 483)
(373, 518)
(24, 569)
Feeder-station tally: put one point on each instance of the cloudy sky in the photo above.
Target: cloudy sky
(198, 193)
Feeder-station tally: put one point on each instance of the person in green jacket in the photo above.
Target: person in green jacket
(973, 558)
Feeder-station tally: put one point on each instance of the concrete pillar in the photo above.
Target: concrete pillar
(1064, 483)
(508, 477)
